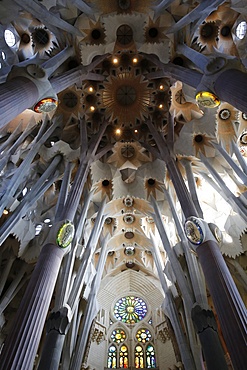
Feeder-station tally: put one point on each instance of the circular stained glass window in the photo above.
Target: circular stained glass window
(130, 310)
(143, 335)
(118, 336)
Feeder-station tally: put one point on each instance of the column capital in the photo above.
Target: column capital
(199, 231)
(214, 68)
(62, 234)
(47, 98)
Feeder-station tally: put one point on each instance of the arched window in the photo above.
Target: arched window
(123, 357)
(150, 357)
(112, 357)
(139, 357)
(118, 356)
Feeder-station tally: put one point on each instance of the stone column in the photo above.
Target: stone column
(206, 328)
(223, 76)
(59, 321)
(230, 86)
(229, 306)
(22, 343)
(5, 272)
(192, 186)
(16, 96)
(91, 310)
(170, 310)
(56, 330)
(26, 86)
(193, 230)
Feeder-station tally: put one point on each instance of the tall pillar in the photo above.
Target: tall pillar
(22, 343)
(16, 96)
(230, 86)
(218, 278)
(209, 351)
(59, 321)
(171, 311)
(26, 86)
(225, 77)
(91, 310)
(56, 329)
(206, 328)
(229, 306)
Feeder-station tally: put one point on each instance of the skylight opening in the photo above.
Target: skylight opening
(9, 38)
(241, 30)
(38, 229)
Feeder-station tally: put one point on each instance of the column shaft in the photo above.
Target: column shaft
(22, 343)
(52, 348)
(16, 96)
(228, 303)
(206, 328)
(226, 298)
(182, 192)
(230, 86)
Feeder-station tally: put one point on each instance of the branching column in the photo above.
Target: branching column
(218, 278)
(228, 303)
(21, 345)
(26, 86)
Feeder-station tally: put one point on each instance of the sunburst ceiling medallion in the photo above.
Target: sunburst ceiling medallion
(126, 98)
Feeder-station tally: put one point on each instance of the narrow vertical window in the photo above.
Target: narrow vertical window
(112, 357)
(123, 357)
(150, 357)
(139, 357)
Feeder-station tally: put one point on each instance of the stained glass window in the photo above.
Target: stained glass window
(123, 357)
(130, 310)
(118, 336)
(112, 357)
(143, 335)
(139, 357)
(150, 357)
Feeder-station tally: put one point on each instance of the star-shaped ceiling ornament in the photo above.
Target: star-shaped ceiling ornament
(202, 143)
(154, 31)
(154, 187)
(126, 98)
(128, 155)
(95, 33)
